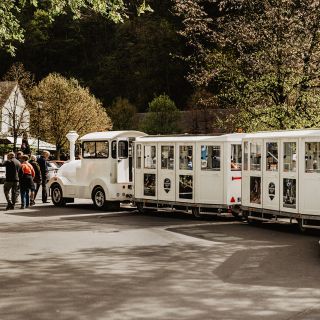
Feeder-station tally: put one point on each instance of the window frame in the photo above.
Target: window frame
(214, 148)
(95, 149)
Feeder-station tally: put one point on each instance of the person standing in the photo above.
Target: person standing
(12, 179)
(36, 179)
(26, 175)
(43, 164)
(25, 147)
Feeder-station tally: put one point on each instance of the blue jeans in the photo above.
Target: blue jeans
(25, 199)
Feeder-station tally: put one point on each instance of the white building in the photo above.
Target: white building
(14, 112)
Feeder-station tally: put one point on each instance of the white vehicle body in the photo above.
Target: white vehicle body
(106, 165)
(190, 171)
(281, 176)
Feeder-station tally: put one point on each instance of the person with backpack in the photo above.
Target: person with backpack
(37, 178)
(26, 175)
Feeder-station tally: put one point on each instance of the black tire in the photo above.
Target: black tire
(140, 208)
(196, 212)
(57, 195)
(99, 198)
(301, 228)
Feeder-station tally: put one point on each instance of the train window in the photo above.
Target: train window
(255, 156)
(245, 155)
(89, 149)
(236, 157)
(312, 157)
(167, 157)
(150, 160)
(185, 158)
(210, 158)
(123, 149)
(149, 182)
(114, 149)
(272, 157)
(185, 187)
(102, 149)
(289, 156)
(138, 157)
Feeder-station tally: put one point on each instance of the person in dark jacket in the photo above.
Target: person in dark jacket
(25, 147)
(26, 175)
(43, 164)
(37, 178)
(12, 180)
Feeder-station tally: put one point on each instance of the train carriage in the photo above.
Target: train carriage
(197, 173)
(281, 176)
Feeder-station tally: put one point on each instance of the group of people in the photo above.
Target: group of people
(25, 175)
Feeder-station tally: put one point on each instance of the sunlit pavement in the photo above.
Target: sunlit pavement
(80, 263)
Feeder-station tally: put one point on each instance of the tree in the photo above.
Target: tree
(17, 109)
(261, 59)
(123, 114)
(162, 117)
(11, 30)
(66, 106)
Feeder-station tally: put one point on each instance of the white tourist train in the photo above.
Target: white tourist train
(281, 176)
(278, 177)
(197, 173)
(104, 173)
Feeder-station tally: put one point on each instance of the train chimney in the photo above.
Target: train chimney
(72, 136)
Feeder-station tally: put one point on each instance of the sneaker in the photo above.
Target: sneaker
(22, 206)
(8, 207)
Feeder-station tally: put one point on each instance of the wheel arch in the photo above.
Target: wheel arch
(99, 183)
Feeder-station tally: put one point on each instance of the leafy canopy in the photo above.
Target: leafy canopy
(261, 59)
(11, 31)
(65, 106)
(162, 117)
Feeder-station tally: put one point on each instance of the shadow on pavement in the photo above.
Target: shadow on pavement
(151, 282)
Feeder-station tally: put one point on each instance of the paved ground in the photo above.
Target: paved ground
(78, 263)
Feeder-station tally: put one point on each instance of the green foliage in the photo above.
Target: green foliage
(12, 32)
(123, 115)
(162, 117)
(260, 58)
(65, 106)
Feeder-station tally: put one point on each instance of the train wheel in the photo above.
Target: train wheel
(99, 198)
(140, 207)
(301, 228)
(196, 212)
(57, 196)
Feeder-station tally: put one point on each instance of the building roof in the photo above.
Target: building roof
(6, 87)
(106, 135)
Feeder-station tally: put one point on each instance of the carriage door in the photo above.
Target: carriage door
(271, 180)
(255, 167)
(166, 179)
(123, 161)
(185, 172)
(289, 175)
(209, 185)
(150, 171)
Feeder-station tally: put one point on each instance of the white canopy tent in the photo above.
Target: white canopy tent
(33, 142)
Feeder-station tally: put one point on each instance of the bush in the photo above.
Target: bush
(162, 117)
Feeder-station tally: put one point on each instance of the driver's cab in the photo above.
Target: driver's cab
(108, 155)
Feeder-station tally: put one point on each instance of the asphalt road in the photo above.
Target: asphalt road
(78, 263)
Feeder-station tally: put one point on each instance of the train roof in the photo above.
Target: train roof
(232, 137)
(299, 133)
(106, 135)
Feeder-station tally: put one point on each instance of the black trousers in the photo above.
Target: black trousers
(44, 190)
